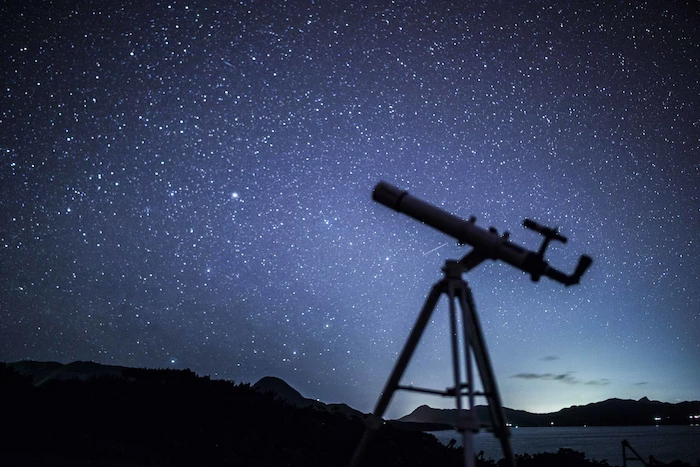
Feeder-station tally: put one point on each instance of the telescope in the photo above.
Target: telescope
(486, 243)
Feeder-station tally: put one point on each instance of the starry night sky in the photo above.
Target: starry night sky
(188, 185)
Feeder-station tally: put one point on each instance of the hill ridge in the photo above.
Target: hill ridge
(613, 411)
(609, 412)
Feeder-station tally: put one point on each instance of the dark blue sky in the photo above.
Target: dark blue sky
(189, 185)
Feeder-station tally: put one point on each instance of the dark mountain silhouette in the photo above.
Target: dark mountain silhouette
(426, 414)
(176, 418)
(283, 391)
(89, 414)
(42, 372)
(611, 412)
(288, 394)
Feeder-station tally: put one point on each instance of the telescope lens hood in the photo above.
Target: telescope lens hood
(388, 195)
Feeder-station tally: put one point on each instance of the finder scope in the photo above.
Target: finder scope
(486, 242)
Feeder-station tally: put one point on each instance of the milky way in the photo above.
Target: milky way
(187, 185)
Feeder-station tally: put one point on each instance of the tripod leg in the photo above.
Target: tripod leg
(454, 337)
(478, 344)
(454, 289)
(408, 349)
(374, 420)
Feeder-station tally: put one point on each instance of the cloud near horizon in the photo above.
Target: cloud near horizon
(562, 377)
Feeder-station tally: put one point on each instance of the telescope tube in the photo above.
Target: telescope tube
(487, 243)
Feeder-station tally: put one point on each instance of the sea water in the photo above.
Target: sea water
(665, 443)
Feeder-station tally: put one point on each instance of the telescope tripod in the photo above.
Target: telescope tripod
(458, 291)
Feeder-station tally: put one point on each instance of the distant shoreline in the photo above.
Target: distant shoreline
(666, 443)
(611, 412)
(450, 428)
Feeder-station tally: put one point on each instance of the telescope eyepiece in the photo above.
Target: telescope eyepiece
(583, 264)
